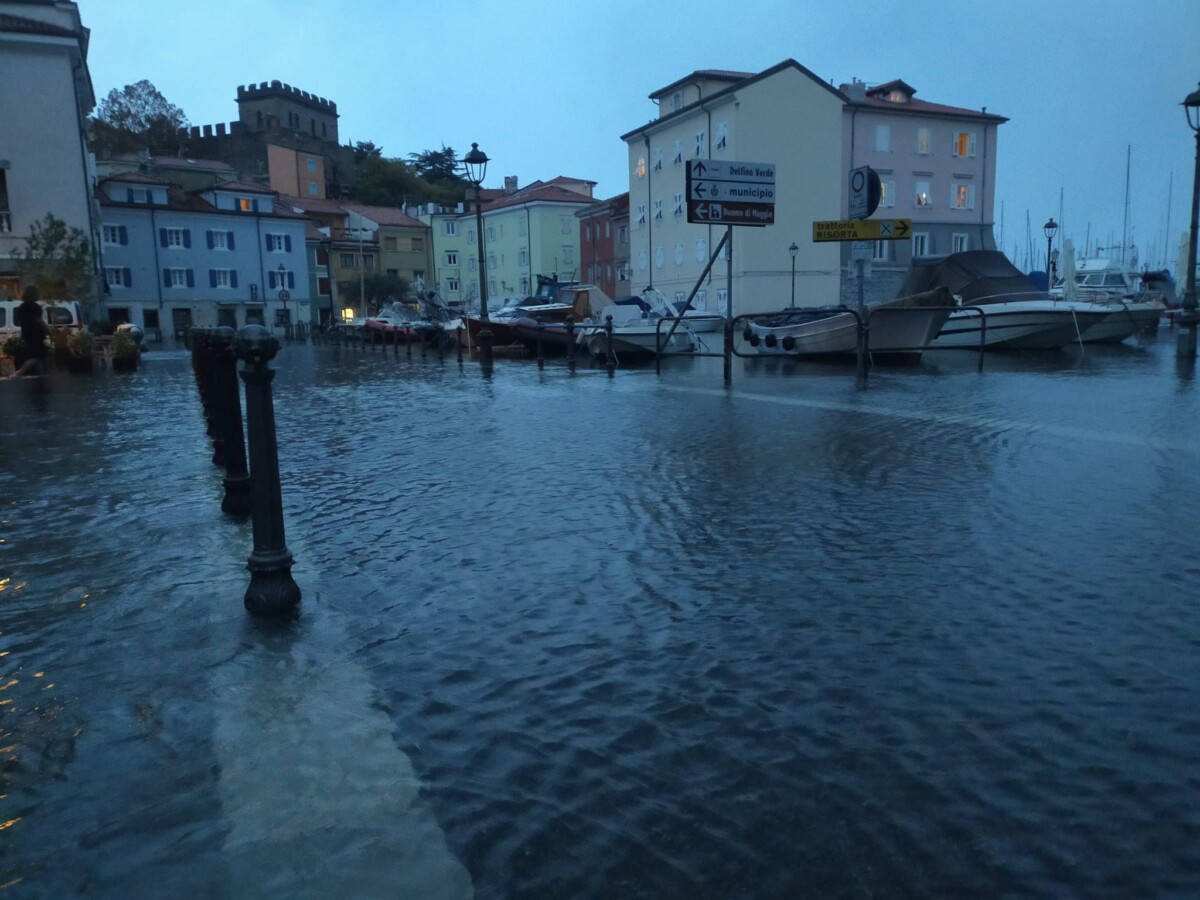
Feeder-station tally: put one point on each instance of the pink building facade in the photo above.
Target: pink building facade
(938, 168)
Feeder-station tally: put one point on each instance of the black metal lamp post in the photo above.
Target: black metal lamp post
(793, 250)
(1051, 229)
(1186, 349)
(282, 281)
(475, 164)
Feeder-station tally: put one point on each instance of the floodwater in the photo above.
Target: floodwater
(641, 637)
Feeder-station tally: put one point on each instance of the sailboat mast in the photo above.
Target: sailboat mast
(1125, 223)
(1167, 236)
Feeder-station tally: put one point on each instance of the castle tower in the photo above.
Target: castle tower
(275, 106)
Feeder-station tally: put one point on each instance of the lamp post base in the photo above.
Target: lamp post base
(1186, 346)
(272, 591)
(486, 339)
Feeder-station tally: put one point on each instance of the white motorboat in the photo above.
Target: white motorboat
(1133, 308)
(1020, 324)
(898, 330)
(645, 327)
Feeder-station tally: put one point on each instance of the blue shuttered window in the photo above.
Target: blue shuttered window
(166, 277)
(291, 281)
(187, 238)
(229, 239)
(233, 278)
(212, 278)
(123, 237)
(162, 237)
(287, 243)
(209, 236)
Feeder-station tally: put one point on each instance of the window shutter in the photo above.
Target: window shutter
(191, 278)
(122, 234)
(254, 205)
(287, 243)
(187, 238)
(212, 278)
(166, 277)
(229, 239)
(291, 281)
(129, 195)
(162, 237)
(208, 235)
(127, 278)
(270, 280)
(233, 278)
(267, 242)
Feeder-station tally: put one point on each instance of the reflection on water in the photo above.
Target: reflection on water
(640, 637)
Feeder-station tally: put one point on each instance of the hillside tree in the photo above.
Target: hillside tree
(137, 117)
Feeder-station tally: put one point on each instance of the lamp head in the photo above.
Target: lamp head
(1191, 107)
(793, 250)
(475, 164)
(1051, 229)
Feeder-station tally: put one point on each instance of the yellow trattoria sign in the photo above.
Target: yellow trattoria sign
(862, 230)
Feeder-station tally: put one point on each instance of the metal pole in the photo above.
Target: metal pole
(541, 357)
(610, 360)
(729, 303)
(571, 343)
(237, 476)
(793, 279)
(485, 326)
(863, 359)
(1186, 348)
(272, 590)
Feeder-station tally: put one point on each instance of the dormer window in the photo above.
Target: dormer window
(138, 195)
(677, 101)
(897, 97)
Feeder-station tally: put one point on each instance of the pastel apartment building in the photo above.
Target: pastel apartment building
(227, 255)
(604, 245)
(937, 165)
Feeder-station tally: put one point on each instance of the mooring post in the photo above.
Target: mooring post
(237, 477)
(610, 361)
(458, 340)
(571, 343)
(541, 357)
(272, 590)
(212, 353)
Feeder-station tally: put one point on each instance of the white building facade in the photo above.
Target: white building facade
(785, 116)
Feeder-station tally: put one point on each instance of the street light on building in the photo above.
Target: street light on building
(793, 250)
(475, 164)
(1051, 229)
(1186, 348)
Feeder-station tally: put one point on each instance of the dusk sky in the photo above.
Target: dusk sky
(547, 88)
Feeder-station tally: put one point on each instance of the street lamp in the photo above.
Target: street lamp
(1186, 348)
(475, 164)
(1051, 229)
(793, 250)
(281, 280)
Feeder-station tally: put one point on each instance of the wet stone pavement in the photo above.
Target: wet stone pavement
(641, 637)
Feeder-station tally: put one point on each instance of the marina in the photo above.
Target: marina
(569, 635)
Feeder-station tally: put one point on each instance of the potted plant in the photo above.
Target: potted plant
(79, 351)
(10, 347)
(124, 352)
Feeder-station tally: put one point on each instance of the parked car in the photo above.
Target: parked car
(59, 314)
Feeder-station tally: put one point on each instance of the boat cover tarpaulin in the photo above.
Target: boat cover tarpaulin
(978, 276)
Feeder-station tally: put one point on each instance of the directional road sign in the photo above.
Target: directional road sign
(731, 193)
(863, 230)
(706, 212)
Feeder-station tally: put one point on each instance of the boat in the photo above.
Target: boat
(544, 305)
(1008, 312)
(649, 325)
(1135, 302)
(898, 330)
(532, 325)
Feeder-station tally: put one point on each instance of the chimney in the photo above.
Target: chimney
(510, 184)
(856, 90)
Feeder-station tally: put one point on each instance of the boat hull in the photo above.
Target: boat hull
(898, 335)
(1020, 325)
(1125, 320)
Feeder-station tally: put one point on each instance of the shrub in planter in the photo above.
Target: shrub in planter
(11, 345)
(124, 352)
(79, 352)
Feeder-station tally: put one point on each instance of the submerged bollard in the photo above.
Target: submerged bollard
(610, 361)
(272, 590)
(571, 343)
(229, 402)
(541, 358)
(459, 341)
(212, 352)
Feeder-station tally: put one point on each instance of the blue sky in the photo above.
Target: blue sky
(547, 88)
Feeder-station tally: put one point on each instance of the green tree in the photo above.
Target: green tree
(58, 260)
(137, 117)
(436, 165)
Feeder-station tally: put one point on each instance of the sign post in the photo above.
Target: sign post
(724, 192)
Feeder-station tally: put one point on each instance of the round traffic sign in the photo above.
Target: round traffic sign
(857, 180)
(285, 296)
